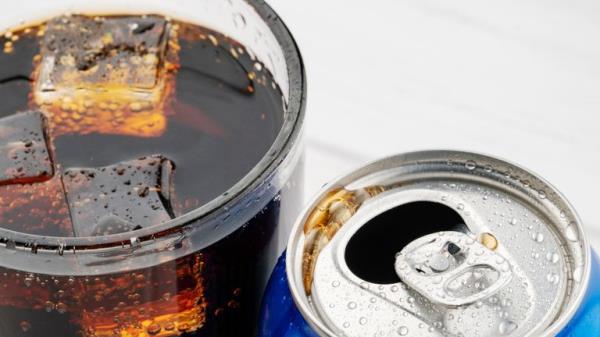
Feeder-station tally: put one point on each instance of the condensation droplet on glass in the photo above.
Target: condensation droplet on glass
(25, 326)
(134, 242)
(61, 308)
(49, 306)
(239, 20)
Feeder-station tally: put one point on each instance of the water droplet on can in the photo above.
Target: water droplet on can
(471, 165)
(506, 327)
(489, 241)
(552, 257)
(537, 237)
(571, 232)
(553, 278)
(402, 331)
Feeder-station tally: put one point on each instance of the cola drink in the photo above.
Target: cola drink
(138, 190)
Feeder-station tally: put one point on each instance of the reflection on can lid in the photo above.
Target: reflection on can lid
(438, 243)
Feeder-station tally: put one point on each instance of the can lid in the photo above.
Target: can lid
(439, 243)
(444, 267)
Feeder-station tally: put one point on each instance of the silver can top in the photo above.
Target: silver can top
(438, 243)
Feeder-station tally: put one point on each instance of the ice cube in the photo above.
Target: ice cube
(106, 74)
(38, 208)
(24, 150)
(32, 198)
(121, 197)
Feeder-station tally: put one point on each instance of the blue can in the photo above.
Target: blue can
(435, 244)
(281, 317)
(586, 321)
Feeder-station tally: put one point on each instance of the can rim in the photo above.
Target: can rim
(294, 250)
(279, 154)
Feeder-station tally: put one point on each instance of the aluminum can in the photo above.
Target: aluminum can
(436, 243)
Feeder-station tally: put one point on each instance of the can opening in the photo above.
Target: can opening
(370, 253)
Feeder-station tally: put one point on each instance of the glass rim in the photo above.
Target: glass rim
(281, 147)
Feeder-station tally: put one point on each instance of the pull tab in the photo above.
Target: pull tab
(452, 269)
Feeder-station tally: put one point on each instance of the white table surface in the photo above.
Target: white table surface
(519, 79)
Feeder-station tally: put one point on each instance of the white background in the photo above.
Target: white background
(519, 79)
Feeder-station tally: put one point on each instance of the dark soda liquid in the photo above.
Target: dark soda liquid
(219, 112)
(220, 122)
